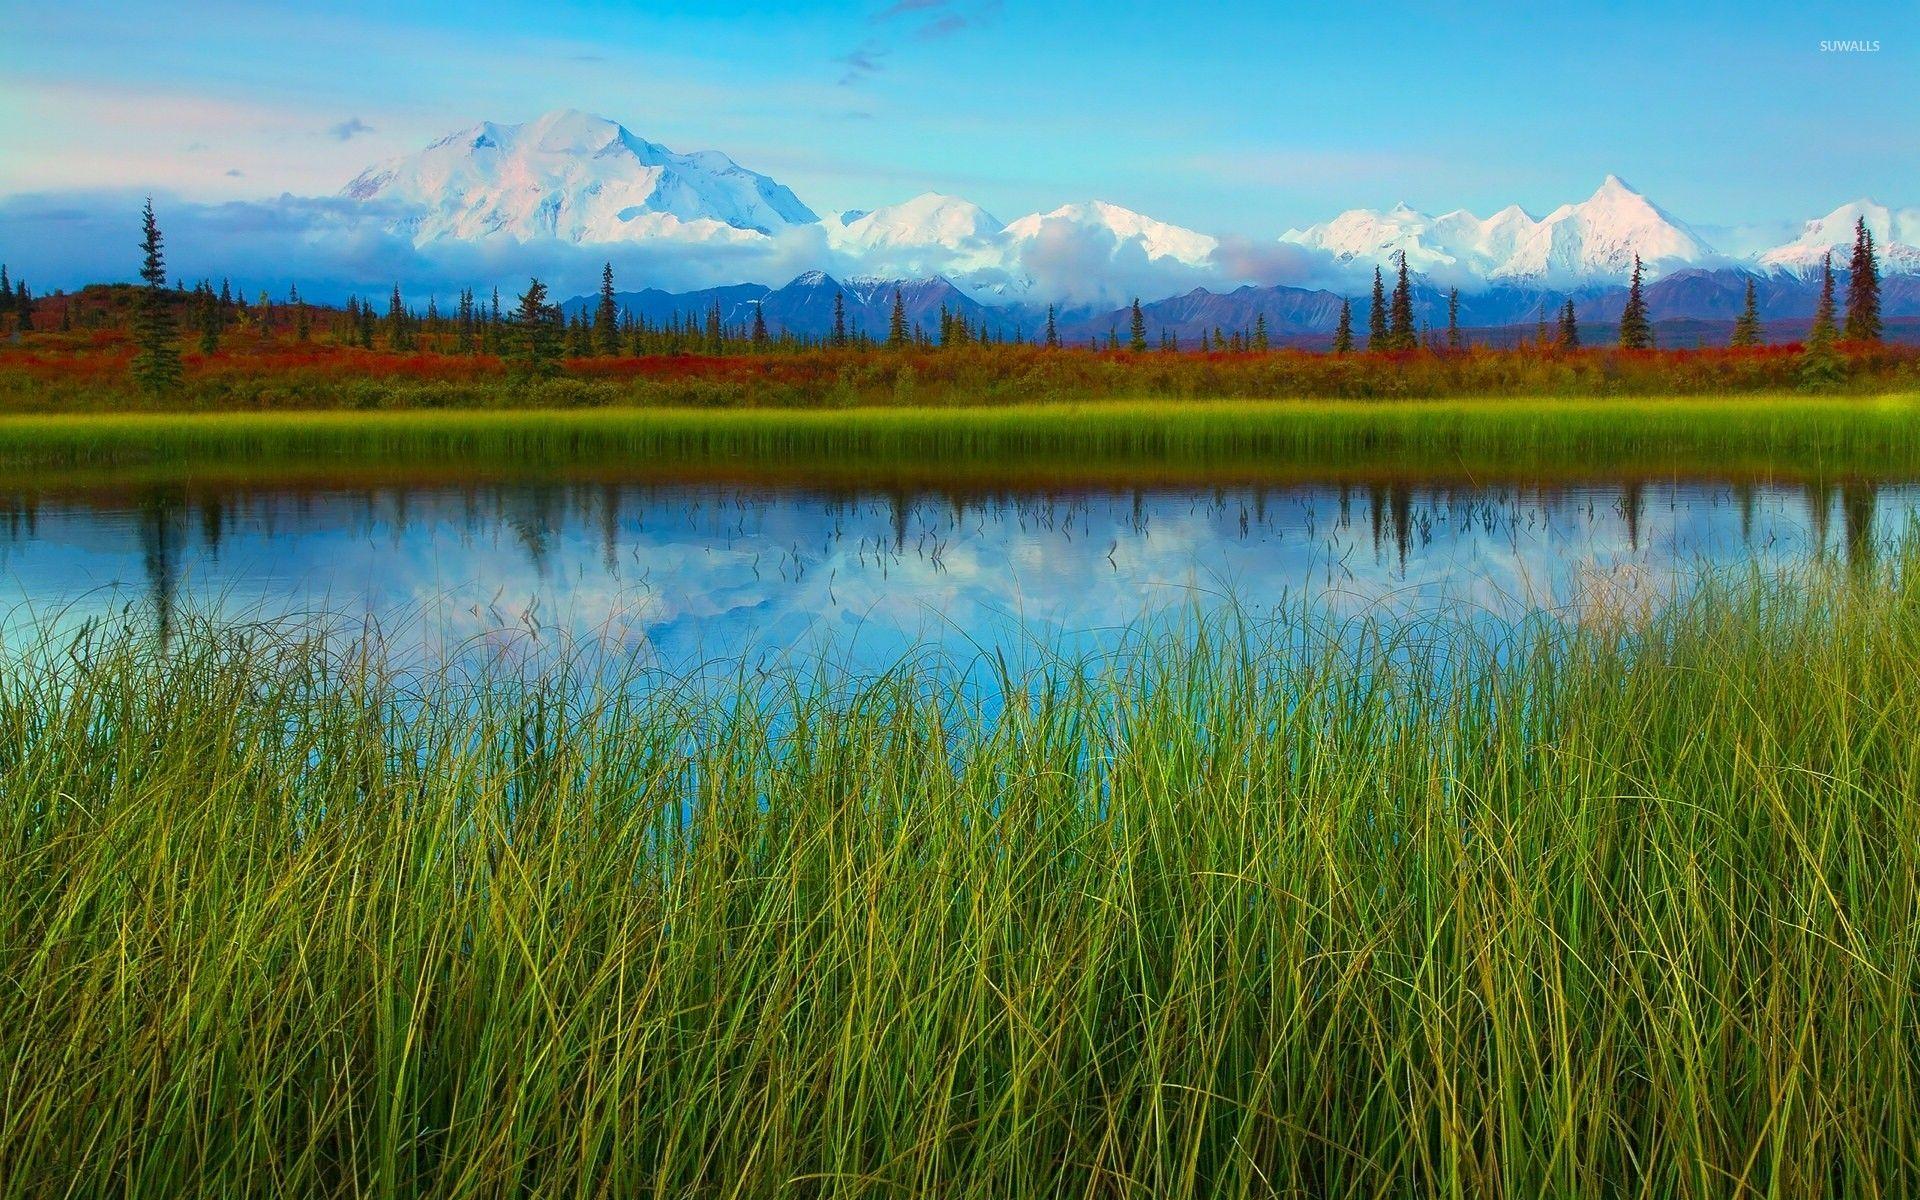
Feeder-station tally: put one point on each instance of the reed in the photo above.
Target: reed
(1617, 903)
(1488, 436)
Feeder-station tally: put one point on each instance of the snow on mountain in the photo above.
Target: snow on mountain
(1126, 229)
(1598, 238)
(579, 178)
(927, 221)
(1896, 238)
(930, 234)
(1096, 252)
(586, 180)
(1588, 242)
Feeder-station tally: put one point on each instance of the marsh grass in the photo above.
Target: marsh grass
(1494, 437)
(1597, 908)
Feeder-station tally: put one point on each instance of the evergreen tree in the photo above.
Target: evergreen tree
(1453, 319)
(156, 365)
(1636, 331)
(536, 349)
(1053, 331)
(1343, 333)
(1403, 337)
(1746, 330)
(302, 319)
(1377, 338)
(1569, 327)
(463, 322)
(606, 317)
(209, 318)
(759, 328)
(6, 294)
(580, 342)
(366, 326)
(1863, 288)
(1260, 339)
(1137, 329)
(716, 337)
(23, 308)
(897, 322)
(1819, 365)
(397, 334)
(839, 336)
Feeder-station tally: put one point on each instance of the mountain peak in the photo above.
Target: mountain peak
(571, 175)
(572, 131)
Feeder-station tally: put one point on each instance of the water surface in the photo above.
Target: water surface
(682, 573)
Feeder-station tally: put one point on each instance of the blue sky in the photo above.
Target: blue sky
(1229, 117)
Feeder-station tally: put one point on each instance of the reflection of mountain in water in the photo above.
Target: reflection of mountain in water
(716, 569)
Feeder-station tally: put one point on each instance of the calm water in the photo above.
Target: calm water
(682, 574)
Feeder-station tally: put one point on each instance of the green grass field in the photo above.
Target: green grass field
(1626, 906)
(1498, 437)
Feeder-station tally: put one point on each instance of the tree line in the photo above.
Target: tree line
(535, 335)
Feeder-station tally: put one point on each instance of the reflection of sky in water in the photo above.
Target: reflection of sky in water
(689, 573)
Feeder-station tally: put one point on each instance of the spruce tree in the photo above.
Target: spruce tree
(1569, 327)
(156, 365)
(1377, 338)
(1343, 333)
(1746, 329)
(839, 336)
(1053, 331)
(6, 294)
(1819, 365)
(897, 322)
(1636, 332)
(1260, 339)
(1453, 318)
(397, 337)
(23, 308)
(536, 349)
(209, 319)
(759, 328)
(1863, 288)
(1137, 329)
(1402, 336)
(580, 343)
(606, 317)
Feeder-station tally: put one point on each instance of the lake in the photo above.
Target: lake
(684, 573)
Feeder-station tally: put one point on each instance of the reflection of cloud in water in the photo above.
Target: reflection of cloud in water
(688, 574)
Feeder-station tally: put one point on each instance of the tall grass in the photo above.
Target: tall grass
(1482, 437)
(1618, 906)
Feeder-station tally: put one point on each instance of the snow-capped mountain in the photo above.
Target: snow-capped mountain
(1074, 250)
(579, 178)
(1592, 241)
(1126, 229)
(587, 181)
(930, 234)
(1599, 237)
(929, 221)
(1896, 237)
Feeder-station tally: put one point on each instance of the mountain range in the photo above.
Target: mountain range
(589, 183)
